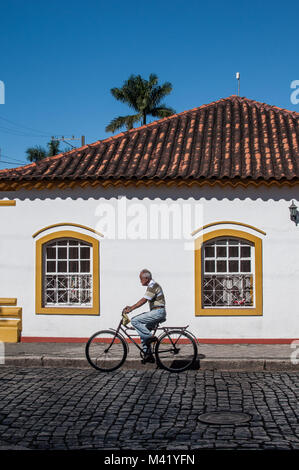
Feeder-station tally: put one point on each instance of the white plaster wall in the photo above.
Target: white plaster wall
(169, 260)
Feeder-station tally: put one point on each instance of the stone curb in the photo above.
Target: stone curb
(227, 364)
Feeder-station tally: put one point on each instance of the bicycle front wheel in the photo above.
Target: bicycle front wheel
(176, 351)
(106, 351)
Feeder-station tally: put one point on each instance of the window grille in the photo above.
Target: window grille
(228, 273)
(67, 273)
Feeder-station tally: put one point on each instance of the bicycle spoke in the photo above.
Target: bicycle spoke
(176, 351)
(106, 351)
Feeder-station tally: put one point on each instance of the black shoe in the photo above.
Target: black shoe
(151, 340)
(148, 357)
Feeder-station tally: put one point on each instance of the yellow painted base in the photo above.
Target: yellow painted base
(7, 301)
(10, 333)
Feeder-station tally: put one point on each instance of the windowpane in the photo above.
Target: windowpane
(62, 296)
(62, 253)
(246, 266)
(73, 253)
(85, 252)
(245, 251)
(233, 266)
(85, 296)
(210, 266)
(233, 252)
(62, 266)
(221, 267)
(84, 266)
(86, 282)
(51, 266)
(50, 298)
(221, 251)
(74, 266)
(51, 252)
(210, 252)
(62, 282)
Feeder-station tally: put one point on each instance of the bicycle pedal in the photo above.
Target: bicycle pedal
(149, 359)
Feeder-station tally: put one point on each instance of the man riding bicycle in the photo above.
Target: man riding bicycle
(145, 322)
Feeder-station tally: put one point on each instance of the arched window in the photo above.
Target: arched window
(67, 274)
(67, 277)
(228, 274)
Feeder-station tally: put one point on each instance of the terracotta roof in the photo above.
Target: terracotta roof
(232, 139)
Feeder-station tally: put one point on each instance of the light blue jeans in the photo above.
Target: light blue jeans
(145, 322)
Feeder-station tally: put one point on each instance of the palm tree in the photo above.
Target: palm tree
(37, 153)
(53, 147)
(34, 154)
(145, 97)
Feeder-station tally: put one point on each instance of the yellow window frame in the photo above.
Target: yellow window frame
(40, 309)
(207, 311)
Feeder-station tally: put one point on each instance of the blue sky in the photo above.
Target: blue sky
(59, 60)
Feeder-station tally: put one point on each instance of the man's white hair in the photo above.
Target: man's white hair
(146, 273)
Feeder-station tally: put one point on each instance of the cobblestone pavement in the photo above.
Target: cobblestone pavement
(43, 408)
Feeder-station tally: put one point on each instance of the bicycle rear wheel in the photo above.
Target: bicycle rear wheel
(106, 350)
(176, 351)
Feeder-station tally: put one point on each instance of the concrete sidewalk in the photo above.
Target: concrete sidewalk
(250, 357)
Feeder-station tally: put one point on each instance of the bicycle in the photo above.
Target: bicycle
(176, 348)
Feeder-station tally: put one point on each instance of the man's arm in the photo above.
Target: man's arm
(138, 304)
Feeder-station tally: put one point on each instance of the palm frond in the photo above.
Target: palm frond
(159, 92)
(130, 91)
(162, 111)
(153, 79)
(123, 121)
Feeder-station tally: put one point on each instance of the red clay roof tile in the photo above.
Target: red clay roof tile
(230, 139)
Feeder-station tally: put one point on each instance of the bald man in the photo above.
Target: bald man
(145, 322)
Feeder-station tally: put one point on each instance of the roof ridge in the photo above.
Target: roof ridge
(202, 106)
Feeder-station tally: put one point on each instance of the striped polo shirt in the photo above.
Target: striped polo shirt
(154, 295)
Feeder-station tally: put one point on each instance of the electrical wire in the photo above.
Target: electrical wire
(43, 134)
(19, 133)
(10, 158)
(10, 163)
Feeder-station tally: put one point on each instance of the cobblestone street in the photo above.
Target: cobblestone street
(43, 408)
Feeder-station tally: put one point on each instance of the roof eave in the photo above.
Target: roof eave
(43, 184)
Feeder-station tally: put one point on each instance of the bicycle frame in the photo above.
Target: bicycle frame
(122, 331)
(169, 346)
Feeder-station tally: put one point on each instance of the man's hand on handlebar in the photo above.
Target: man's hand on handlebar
(127, 309)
